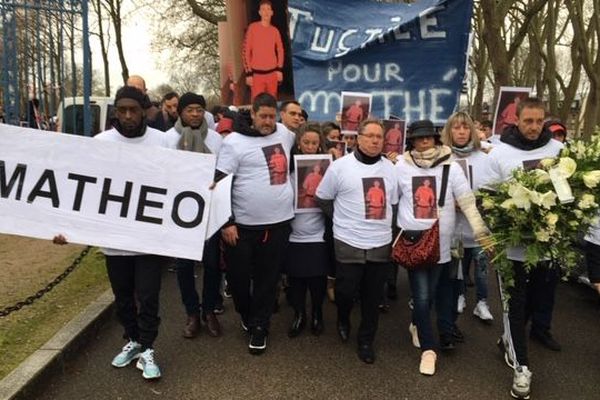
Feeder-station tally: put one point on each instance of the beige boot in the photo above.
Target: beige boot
(428, 359)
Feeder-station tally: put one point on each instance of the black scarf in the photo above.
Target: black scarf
(365, 159)
(515, 138)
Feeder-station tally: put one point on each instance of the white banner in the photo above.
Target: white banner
(121, 196)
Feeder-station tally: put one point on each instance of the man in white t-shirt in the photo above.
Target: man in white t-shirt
(135, 278)
(362, 188)
(532, 296)
(262, 204)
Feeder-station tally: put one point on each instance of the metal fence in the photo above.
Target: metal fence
(45, 57)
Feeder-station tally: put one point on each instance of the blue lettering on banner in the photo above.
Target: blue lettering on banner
(410, 57)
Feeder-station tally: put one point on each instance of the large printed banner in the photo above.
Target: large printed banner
(122, 196)
(410, 57)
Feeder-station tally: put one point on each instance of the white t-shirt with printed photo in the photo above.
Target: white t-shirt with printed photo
(262, 191)
(505, 158)
(152, 137)
(419, 190)
(363, 195)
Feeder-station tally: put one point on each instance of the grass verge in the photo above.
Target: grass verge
(24, 331)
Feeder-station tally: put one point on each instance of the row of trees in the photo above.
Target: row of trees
(551, 45)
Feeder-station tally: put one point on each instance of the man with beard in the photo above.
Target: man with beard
(168, 106)
(191, 133)
(263, 209)
(532, 296)
(135, 278)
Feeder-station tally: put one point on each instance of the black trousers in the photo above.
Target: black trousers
(316, 285)
(532, 297)
(367, 280)
(137, 278)
(253, 270)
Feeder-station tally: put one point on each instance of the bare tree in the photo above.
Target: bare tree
(586, 31)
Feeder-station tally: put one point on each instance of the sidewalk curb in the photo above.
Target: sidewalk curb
(50, 358)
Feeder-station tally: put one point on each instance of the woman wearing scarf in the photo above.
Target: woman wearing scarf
(461, 136)
(424, 159)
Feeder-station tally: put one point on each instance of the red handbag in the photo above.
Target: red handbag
(418, 249)
(421, 249)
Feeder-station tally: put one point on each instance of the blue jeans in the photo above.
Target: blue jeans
(211, 296)
(481, 262)
(423, 285)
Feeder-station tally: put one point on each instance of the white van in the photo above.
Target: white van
(70, 118)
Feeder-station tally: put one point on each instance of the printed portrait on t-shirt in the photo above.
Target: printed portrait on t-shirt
(467, 170)
(309, 173)
(355, 108)
(528, 165)
(394, 136)
(424, 197)
(277, 163)
(374, 191)
(337, 148)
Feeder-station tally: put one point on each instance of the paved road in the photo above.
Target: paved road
(323, 368)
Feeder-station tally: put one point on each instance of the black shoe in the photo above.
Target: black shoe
(392, 292)
(343, 329)
(546, 339)
(258, 341)
(366, 353)
(457, 335)
(447, 342)
(316, 325)
(298, 325)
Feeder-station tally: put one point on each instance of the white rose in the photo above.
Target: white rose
(587, 201)
(542, 236)
(547, 162)
(567, 166)
(551, 219)
(591, 179)
(541, 176)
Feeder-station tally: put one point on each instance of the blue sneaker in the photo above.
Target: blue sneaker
(147, 365)
(130, 352)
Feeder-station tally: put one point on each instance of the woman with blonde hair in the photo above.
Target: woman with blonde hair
(461, 136)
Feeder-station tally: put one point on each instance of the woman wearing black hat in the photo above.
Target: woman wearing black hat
(427, 159)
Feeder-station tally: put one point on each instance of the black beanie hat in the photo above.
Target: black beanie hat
(190, 98)
(421, 128)
(130, 92)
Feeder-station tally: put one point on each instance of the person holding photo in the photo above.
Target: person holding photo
(307, 259)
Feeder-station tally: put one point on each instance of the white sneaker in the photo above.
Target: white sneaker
(482, 311)
(521, 386)
(147, 365)
(461, 304)
(412, 328)
(131, 351)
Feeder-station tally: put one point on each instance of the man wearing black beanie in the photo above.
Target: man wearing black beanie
(135, 276)
(191, 132)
